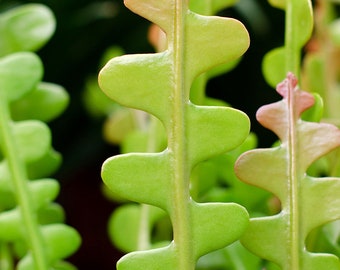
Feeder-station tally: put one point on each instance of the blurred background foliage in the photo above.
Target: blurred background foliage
(85, 29)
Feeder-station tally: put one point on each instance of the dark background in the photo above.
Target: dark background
(85, 28)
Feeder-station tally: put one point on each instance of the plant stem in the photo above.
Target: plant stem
(177, 141)
(144, 237)
(20, 184)
(144, 230)
(293, 53)
(293, 207)
(293, 63)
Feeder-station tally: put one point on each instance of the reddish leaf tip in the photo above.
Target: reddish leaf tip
(289, 87)
(290, 83)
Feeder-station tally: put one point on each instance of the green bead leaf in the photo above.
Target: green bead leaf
(26, 152)
(46, 165)
(303, 21)
(306, 202)
(129, 217)
(273, 66)
(299, 28)
(28, 135)
(19, 73)
(51, 213)
(315, 113)
(44, 190)
(25, 28)
(10, 225)
(61, 241)
(44, 103)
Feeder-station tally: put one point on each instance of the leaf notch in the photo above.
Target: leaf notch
(159, 84)
(307, 202)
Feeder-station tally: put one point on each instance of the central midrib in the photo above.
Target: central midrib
(292, 65)
(177, 144)
(293, 192)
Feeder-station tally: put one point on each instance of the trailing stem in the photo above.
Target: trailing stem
(144, 236)
(292, 45)
(20, 185)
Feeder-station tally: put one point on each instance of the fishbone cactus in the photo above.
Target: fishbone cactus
(159, 84)
(307, 202)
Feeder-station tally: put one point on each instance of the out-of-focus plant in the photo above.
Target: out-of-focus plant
(307, 202)
(32, 230)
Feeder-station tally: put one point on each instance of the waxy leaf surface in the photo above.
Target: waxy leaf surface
(307, 202)
(160, 85)
(25, 28)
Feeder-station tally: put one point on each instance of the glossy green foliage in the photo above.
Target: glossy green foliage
(25, 28)
(299, 26)
(307, 202)
(32, 233)
(145, 227)
(137, 132)
(25, 144)
(160, 84)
